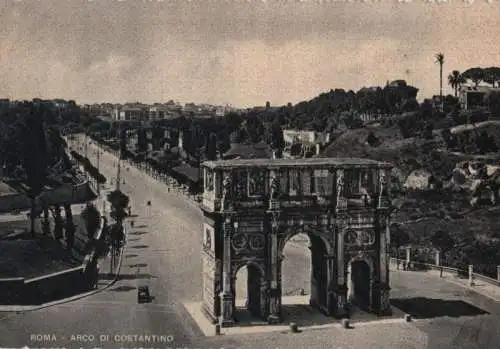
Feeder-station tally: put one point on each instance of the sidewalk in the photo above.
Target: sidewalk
(481, 287)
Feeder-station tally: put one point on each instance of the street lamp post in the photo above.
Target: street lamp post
(85, 150)
(98, 184)
(118, 167)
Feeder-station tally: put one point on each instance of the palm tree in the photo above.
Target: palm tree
(455, 79)
(440, 60)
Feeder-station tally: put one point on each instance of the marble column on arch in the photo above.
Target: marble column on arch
(227, 309)
(274, 266)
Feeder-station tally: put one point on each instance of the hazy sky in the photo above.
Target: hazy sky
(235, 51)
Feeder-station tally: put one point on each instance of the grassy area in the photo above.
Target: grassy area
(406, 154)
(32, 258)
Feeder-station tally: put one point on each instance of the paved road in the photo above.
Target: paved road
(163, 252)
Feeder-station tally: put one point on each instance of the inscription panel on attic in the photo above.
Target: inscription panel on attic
(263, 203)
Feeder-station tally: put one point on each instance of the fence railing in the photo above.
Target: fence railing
(457, 271)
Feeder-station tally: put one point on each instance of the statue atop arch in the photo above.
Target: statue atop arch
(226, 192)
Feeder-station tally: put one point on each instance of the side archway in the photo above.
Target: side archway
(359, 281)
(250, 297)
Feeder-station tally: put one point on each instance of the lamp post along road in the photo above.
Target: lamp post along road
(98, 183)
(85, 150)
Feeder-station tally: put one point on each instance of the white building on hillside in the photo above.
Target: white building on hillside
(313, 137)
(471, 97)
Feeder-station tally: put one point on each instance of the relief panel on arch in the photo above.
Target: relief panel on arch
(208, 238)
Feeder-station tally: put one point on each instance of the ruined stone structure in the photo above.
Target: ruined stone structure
(253, 207)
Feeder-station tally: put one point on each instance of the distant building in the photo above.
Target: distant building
(156, 113)
(471, 97)
(291, 136)
(128, 114)
(303, 143)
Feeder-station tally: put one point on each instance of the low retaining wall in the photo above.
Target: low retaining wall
(11, 290)
(47, 288)
(456, 271)
(54, 286)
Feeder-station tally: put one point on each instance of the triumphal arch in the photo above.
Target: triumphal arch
(253, 207)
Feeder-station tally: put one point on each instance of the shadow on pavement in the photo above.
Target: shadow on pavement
(127, 276)
(142, 226)
(134, 239)
(138, 265)
(425, 308)
(123, 288)
(138, 233)
(301, 314)
(139, 246)
(131, 255)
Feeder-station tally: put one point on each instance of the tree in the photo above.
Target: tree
(117, 236)
(92, 220)
(427, 109)
(157, 137)
(443, 242)
(142, 141)
(372, 140)
(123, 141)
(456, 80)
(484, 142)
(428, 131)
(70, 227)
(211, 148)
(440, 60)
(34, 160)
(399, 237)
(119, 202)
(492, 101)
(278, 140)
(492, 76)
(476, 75)
(448, 138)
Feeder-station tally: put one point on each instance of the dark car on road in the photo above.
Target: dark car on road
(143, 295)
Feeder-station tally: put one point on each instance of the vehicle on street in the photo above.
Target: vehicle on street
(143, 295)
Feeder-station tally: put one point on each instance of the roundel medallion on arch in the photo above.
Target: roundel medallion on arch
(257, 242)
(239, 242)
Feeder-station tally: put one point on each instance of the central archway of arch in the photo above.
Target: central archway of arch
(304, 275)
